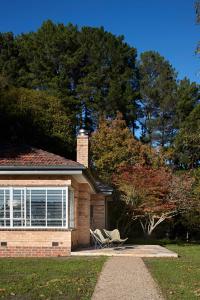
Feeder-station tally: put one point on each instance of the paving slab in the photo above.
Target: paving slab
(128, 250)
(126, 278)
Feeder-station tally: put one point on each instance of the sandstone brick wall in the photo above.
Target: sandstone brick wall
(74, 239)
(99, 211)
(83, 149)
(34, 180)
(35, 243)
(74, 236)
(39, 242)
(84, 215)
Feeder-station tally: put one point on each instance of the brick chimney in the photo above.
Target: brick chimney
(83, 148)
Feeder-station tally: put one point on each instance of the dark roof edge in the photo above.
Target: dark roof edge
(91, 179)
(93, 182)
(41, 168)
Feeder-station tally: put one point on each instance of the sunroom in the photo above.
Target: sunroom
(46, 201)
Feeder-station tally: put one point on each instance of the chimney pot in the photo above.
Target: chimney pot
(83, 131)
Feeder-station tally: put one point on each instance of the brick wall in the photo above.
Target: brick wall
(35, 243)
(39, 242)
(83, 149)
(99, 211)
(84, 215)
(35, 180)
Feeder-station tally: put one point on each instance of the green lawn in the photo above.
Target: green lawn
(178, 278)
(70, 278)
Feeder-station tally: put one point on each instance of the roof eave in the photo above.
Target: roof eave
(91, 179)
(54, 170)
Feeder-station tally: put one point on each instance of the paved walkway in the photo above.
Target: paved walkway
(128, 250)
(126, 278)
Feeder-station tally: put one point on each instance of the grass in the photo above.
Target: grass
(35, 279)
(178, 278)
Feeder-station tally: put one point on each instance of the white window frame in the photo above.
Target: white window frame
(11, 188)
(74, 214)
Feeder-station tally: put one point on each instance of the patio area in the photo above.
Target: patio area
(127, 250)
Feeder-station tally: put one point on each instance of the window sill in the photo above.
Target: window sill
(36, 229)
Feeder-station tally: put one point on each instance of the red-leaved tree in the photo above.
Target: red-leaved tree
(152, 194)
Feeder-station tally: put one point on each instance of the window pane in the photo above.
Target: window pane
(38, 207)
(71, 209)
(52, 223)
(18, 204)
(7, 203)
(64, 208)
(4, 207)
(27, 203)
(38, 223)
(18, 223)
(4, 223)
(1, 203)
(54, 205)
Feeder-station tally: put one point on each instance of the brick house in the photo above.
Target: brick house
(48, 203)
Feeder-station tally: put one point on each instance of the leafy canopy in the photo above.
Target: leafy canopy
(113, 146)
(35, 118)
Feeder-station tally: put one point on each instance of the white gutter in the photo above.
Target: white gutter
(36, 172)
(49, 172)
(72, 172)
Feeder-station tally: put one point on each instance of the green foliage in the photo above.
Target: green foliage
(90, 70)
(187, 98)
(191, 220)
(36, 118)
(186, 152)
(191, 217)
(113, 146)
(183, 152)
(158, 98)
(197, 12)
(95, 73)
(9, 56)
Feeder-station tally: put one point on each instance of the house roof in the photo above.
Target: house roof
(18, 156)
(25, 159)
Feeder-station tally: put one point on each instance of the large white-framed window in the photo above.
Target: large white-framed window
(36, 207)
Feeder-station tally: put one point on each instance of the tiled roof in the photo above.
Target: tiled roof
(26, 156)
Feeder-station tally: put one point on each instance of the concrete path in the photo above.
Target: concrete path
(126, 278)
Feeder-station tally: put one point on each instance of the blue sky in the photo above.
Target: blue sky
(167, 26)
